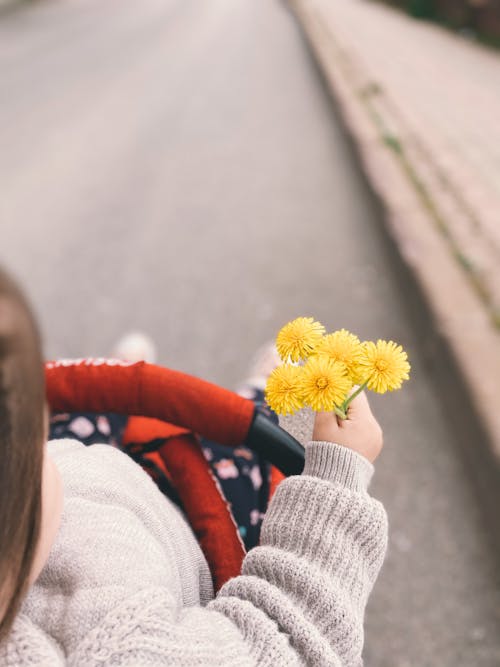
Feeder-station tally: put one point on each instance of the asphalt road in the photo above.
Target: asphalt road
(176, 166)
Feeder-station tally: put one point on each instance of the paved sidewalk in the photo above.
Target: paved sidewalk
(419, 102)
(438, 98)
(401, 89)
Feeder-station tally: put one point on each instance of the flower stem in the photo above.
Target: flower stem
(348, 401)
(340, 412)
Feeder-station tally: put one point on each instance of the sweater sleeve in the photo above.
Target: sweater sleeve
(299, 600)
(305, 588)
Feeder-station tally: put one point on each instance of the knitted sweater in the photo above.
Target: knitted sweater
(126, 583)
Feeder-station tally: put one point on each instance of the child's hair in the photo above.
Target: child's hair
(22, 433)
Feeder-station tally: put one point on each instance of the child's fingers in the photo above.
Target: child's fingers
(326, 419)
(326, 426)
(360, 431)
(359, 408)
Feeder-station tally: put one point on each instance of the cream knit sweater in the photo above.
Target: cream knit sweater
(127, 584)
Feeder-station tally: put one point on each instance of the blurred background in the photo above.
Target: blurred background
(478, 19)
(178, 167)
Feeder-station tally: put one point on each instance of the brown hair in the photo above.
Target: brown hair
(22, 433)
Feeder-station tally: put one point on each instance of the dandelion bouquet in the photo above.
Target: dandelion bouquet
(326, 372)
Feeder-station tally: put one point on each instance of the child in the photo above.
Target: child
(98, 568)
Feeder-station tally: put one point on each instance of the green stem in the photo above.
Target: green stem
(340, 412)
(348, 401)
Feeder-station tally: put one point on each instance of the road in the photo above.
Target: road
(176, 166)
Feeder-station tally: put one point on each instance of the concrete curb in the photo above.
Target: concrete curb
(460, 337)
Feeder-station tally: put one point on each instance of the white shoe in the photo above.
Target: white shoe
(135, 346)
(265, 360)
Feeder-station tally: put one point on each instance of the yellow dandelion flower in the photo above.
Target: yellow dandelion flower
(344, 347)
(325, 383)
(283, 389)
(384, 366)
(298, 338)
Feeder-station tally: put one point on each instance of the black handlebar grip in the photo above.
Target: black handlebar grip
(275, 445)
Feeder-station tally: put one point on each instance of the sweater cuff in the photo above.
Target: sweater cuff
(336, 463)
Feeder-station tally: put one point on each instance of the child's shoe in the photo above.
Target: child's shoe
(265, 360)
(135, 346)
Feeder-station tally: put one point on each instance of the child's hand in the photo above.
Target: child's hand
(360, 431)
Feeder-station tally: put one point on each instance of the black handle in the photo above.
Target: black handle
(275, 445)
